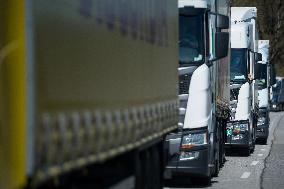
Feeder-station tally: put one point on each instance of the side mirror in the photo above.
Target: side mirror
(272, 76)
(258, 57)
(263, 71)
(221, 44)
(222, 21)
(257, 71)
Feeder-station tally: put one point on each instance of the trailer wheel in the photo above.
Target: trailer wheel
(141, 169)
(222, 143)
(148, 169)
(156, 168)
(138, 171)
(246, 151)
(262, 141)
(217, 152)
(206, 181)
(217, 168)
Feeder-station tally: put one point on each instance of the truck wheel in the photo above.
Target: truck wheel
(246, 151)
(217, 168)
(138, 171)
(217, 152)
(251, 149)
(142, 180)
(156, 168)
(222, 143)
(148, 179)
(206, 181)
(228, 151)
(262, 141)
(148, 169)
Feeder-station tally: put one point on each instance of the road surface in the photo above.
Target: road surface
(264, 168)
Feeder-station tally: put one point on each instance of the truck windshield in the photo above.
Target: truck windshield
(276, 91)
(191, 39)
(263, 76)
(238, 64)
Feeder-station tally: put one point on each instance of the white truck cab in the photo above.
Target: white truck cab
(263, 92)
(241, 129)
(197, 147)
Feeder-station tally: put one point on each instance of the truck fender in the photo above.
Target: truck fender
(198, 104)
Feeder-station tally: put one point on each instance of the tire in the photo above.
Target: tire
(253, 136)
(217, 152)
(217, 168)
(222, 144)
(148, 168)
(246, 151)
(228, 151)
(252, 147)
(263, 141)
(252, 150)
(157, 169)
(205, 181)
(142, 180)
(138, 171)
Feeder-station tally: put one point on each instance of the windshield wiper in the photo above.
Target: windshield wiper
(187, 62)
(238, 80)
(191, 62)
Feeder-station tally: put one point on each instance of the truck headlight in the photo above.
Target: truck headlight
(188, 156)
(194, 139)
(261, 121)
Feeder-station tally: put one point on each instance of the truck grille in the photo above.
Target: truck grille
(184, 81)
(234, 94)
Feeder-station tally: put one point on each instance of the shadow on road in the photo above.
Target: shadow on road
(261, 141)
(237, 153)
(183, 182)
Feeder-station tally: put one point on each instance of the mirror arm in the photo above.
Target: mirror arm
(209, 61)
(250, 80)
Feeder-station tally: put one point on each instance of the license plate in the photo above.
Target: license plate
(236, 137)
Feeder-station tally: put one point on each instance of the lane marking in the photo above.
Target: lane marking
(245, 175)
(259, 155)
(262, 149)
(254, 163)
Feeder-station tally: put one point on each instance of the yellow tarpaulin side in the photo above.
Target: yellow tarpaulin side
(12, 94)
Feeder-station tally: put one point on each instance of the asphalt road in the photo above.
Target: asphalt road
(264, 168)
(273, 173)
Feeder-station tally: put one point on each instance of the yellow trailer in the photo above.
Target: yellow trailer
(84, 82)
(13, 94)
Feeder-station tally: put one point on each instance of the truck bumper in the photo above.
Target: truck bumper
(274, 107)
(238, 143)
(197, 167)
(262, 131)
(237, 138)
